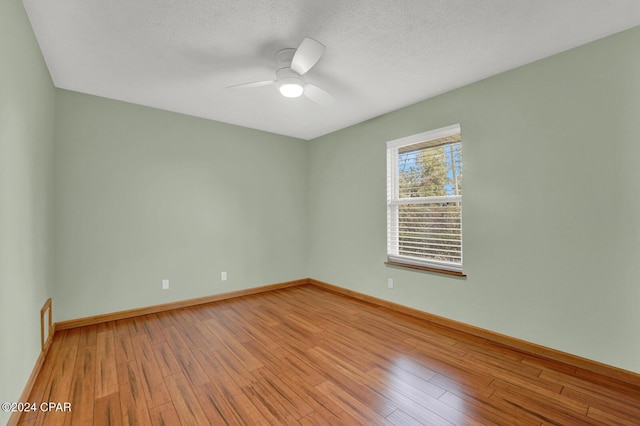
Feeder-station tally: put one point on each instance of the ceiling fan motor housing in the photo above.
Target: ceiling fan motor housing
(286, 73)
(284, 57)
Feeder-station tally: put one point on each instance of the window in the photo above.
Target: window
(424, 200)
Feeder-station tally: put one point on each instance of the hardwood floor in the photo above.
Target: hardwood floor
(307, 356)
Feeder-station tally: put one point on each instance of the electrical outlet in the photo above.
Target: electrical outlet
(390, 282)
(223, 276)
(165, 284)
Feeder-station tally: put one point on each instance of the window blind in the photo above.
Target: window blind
(424, 199)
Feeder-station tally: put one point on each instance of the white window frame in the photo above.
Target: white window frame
(394, 200)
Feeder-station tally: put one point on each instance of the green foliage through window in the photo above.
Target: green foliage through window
(431, 172)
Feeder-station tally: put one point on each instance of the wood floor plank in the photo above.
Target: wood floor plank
(270, 358)
(620, 395)
(472, 386)
(44, 380)
(304, 355)
(218, 407)
(121, 327)
(72, 337)
(256, 329)
(106, 370)
(401, 418)
(540, 394)
(316, 419)
(153, 383)
(233, 404)
(376, 352)
(384, 332)
(421, 405)
(194, 337)
(352, 405)
(268, 317)
(185, 358)
(420, 398)
(406, 383)
(484, 411)
(350, 379)
(512, 372)
(166, 359)
(133, 403)
(270, 409)
(213, 363)
(109, 326)
(124, 348)
(226, 318)
(549, 407)
(303, 368)
(233, 367)
(281, 393)
(106, 410)
(153, 328)
(235, 346)
(168, 319)
(60, 383)
(623, 409)
(82, 396)
(185, 402)
(88, 335)
(294, 339)
(164, 415)
(322, 405)
(451, 367)
(543, 363)
(611, 418)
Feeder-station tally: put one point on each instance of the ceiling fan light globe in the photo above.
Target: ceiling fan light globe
(291, 89)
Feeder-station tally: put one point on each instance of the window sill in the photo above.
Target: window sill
(425, 268)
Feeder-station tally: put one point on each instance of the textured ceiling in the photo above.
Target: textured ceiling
(180, 55)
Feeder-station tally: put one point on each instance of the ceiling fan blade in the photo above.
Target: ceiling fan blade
(318, 95)
(250, 85)
(307, 55)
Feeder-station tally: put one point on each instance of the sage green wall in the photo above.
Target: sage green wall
(143, 195)
(26, 161)
(551, 208)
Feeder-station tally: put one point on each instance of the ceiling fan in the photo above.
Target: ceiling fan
(292, 65)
